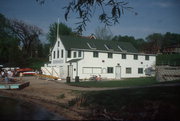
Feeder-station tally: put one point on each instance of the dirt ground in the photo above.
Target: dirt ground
(56, 95)
(52, 95)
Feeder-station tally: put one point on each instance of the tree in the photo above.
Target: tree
(9, 51)
(103, 33)
(156, 40)
(85, 9)
(171, 39)
(28, 35)
(52, 34)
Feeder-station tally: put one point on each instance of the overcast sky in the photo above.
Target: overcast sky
(154, 16)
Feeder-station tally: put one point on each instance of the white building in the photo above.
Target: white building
(84, 57)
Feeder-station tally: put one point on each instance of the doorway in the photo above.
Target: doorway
(70, 71)
(118, 72)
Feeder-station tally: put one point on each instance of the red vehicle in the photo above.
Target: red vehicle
(24, 69)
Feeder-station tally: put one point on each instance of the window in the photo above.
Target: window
(58, 43)
(92, 70)
(54, 55)
(74, 54)
(146, 57)
(79, 53)
(140, 70)
(69, 54)
(95, 54)
(128, 70)
(123, 56)
(62, 53)
(109, 69)
(110, 55)
(135, 56)
(58, 54)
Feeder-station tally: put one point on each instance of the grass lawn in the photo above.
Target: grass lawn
(119, 83)
(153, 103)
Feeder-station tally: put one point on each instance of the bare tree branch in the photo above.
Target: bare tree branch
(27, 34)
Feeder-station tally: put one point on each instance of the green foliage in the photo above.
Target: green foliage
(171, 39)
(9, 50)
(52, 34)
(12, 48)
(168, 59)
(120, 83)
(35, 63)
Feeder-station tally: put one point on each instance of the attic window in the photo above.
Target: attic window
(108, 47)
(120, 48)
(58, 43)
(91, 45)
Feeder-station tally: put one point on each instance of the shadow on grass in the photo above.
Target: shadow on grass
(155, 103)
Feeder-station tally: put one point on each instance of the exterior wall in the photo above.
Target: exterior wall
(56, 64)
(102, 62)
(77, 55)
(58, 60)
(89, 65)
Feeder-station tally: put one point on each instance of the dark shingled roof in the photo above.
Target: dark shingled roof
(71, 42)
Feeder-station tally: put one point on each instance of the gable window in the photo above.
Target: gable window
(123, 56)
(146, 57)
(74, 55)
(95, 54)
(58, 43)
(110, 55)
(135, 56)
(69, 54)
(54, 54)
(58, 54)
(128, 70)
(109, 69)
(62, 53)
(79, 53)
(140, 70)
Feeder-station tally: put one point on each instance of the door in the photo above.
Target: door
(70, 71)
(118, 72)
(61, 74)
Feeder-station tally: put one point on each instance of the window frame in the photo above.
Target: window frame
(79, 53)
(110, 70)
(139, 72)
(135, 56)
(128, 72)
(57, 53)
(74, 54)
(95, 54)
(58, 43)
(146, 57)
(110, 55)
(54, 54)
(123, 56)
(62, 53)
(69, 54)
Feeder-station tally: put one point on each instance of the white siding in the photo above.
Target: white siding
(89, 65)
(103, 61)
